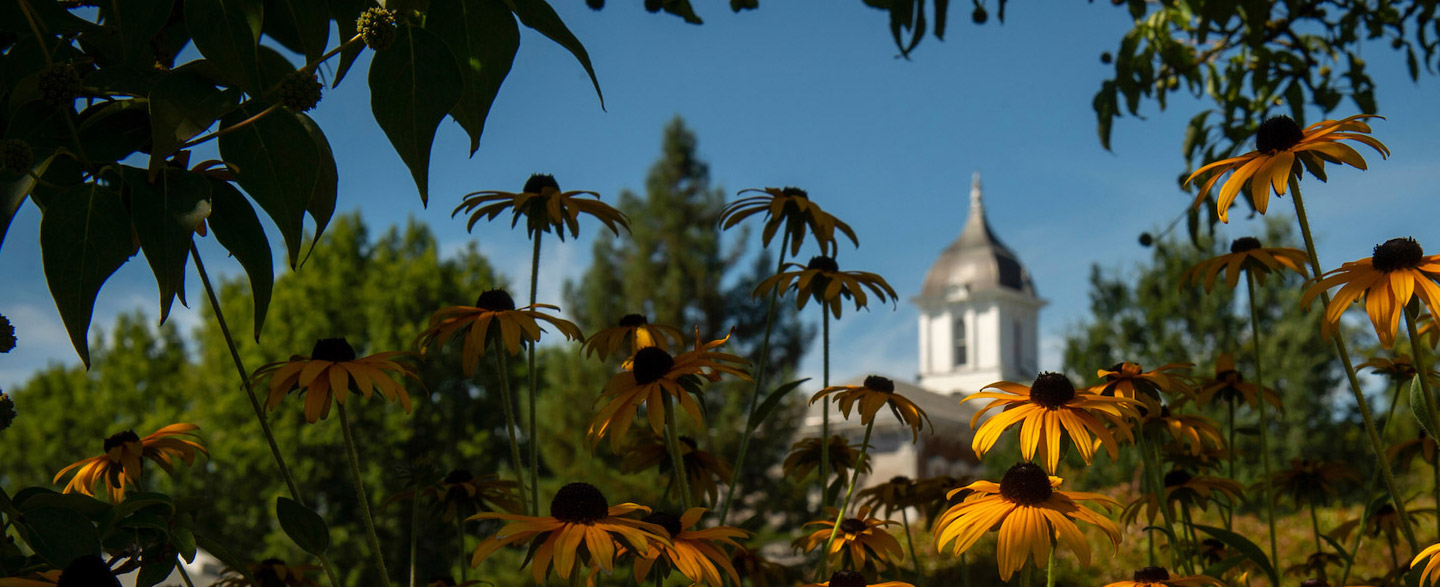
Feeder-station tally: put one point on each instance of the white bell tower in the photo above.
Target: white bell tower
(979, 315)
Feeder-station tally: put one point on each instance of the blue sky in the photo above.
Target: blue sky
(812, 95)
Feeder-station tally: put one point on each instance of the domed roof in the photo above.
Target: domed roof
(977, 260)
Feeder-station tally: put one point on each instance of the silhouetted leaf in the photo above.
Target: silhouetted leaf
(139, 22)
(60, 535)
(165, 213)
(183, 105)
(112, 131)
(227, 32)
(302, 27)
(1244, 546)
(85, 236)
(325, 190)
(345, 13)
(238, 229)
(413, 85)
(302, 525)
(278, 164)
(484, 37)
(538, 15)
(771, 402)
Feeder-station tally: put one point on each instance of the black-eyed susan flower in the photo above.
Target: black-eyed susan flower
(334, 370)
(1403, 453)
(654, 372)
(543, 206)
(513, 327)
(42, 579)
(697, 554)
(582, 529)
(1281, 148)
(1396, 272)
(1400, 369)
(804, 458)
(1050, 410)
(704, 471)
(861, 543)
(1383, 518)
(122, 464)
(1160, 577)
(1246, 254)
(932, 495)
(854, 579)
(271, 572)
(1030, 513)
(1229, 386)
(822, 280)
(758, 570)
(1183, 488)
(1194, 431)
(792, 209)
(1314, 564)
(875, 393)
(460, 491)
(1311, 481)
(635, 330)
(1130, 380)
(1432, 568)
(896, 494)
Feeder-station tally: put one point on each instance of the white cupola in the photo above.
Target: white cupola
(979, 315)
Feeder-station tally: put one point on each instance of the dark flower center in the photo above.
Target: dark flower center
(792, 192)
(848, 579)
(445, 580)
(1244, 243)
(878, 383)
(1396, 254)
(822, 263)
(335, 350)
(665, 520)
(272, 562)
(1151, 575)
(1177, 478)
(1052, 390)
(579, 503)
(1026, 484)
(900, 480)
(1230, 376)
(1314, 583)
(1277, 134)
(853, 525)
(689, 441)
(87, 571)
(634, 320)
(459, 476)
(120, 439)
(651, 363)
(495, 300)
(1384, 511)
(540, 181)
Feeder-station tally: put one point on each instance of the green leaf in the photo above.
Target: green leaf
(345, 13)
(112, 131)
(1339, 548)
(13, 193)
(413, 85)
(152, 573)
(139, 22)
(1243, 546)
(302, 27)
(183, 105)
(165, 213)
(325, 189)
(92, 508)
(484, 37)
(60, 535)
(238, 229)
(227, 33)
(538, 15)
(772, 401)
(1418, 407)
(85, 236)
(184, 542)
(303, 526)
(278, 164)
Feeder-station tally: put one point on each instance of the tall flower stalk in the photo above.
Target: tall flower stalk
(1264, 421)
(355, 478)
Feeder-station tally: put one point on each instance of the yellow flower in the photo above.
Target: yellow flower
(45, 579)
(1030, 512)
(792, 208)
(515, 327)
(653, 373)
(874, 394)
(121, 465)
(854, 579)
(1191, 430)
(1383, 518)
(1159, 577)
(1395, 273)
(696, 554)
(1130, 380)
(896, 494)
(543, 206)
(1432, 568)
(635, 329)
(1183, 488)
(1229, 385)
(582, 529)
(1281, 147)
(822, 280)
(330, 370)
(862, 542)
(1246, 254)
(1399, 370)
(1050, 410)
(1310, 481)
(1403, 453)
(461, 488)
(804, 458)
(703, 470)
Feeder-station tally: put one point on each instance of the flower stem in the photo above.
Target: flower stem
(1230, 423)
(910, 541)
(530, 361)
(180, 566)
(360, 493)
(460, 537)
(845, 505)
(244, 376)
(415, 536)
(1422, 368)
(672, 438)
(1315, 525)
(329, 569)
(229, 129)
(503, 369)
(1050, 566)
(1381, 460)
(825, 413)
(760, 366)
(1370, 489)
(1156, 482)
(1264, 420)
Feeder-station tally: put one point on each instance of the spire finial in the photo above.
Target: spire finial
(975, 193)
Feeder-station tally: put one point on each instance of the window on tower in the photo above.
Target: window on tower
(962, 350)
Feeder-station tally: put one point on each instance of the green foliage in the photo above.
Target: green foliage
(90, 92)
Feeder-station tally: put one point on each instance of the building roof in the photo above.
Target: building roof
(977, 260)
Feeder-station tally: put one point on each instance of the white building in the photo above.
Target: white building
(978, 324)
